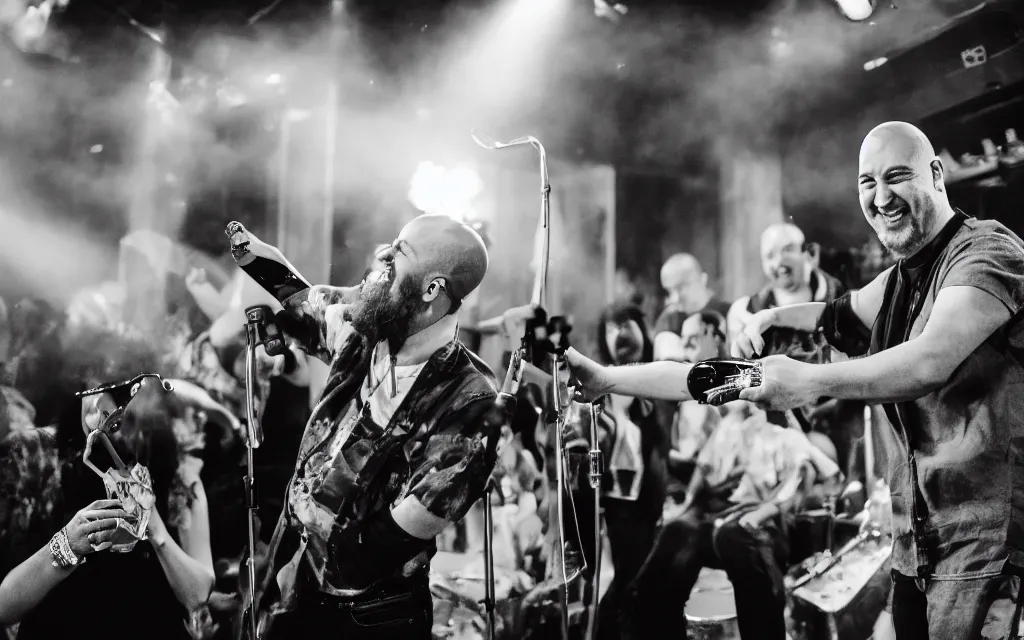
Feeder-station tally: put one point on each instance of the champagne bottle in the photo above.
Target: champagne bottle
(719, 381)
(304, 305)
(266, 265)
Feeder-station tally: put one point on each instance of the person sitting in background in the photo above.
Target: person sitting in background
(688, 293)
(750, 480)
(703, 337)
(163, 581)
(635, 448)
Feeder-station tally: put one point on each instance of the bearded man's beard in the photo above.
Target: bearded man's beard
(378, 316)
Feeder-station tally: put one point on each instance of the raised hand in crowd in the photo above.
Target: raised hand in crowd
(89, 531)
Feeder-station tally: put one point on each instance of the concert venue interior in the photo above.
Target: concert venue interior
(134, 132)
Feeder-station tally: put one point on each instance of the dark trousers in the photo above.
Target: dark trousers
(954, 609)
(400, 610)
(631, 531)
(683, 547)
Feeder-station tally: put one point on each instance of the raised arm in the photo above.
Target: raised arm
(188, 564)
(315, 319)
(849, 316)
(89, 531)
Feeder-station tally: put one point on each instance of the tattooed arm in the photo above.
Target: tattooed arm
(315, 318)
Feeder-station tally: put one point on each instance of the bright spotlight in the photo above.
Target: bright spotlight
(612, 12)
(436, 189)
(856, 10)
(274, 78)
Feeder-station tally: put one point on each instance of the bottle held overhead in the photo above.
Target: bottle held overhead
(265, 264)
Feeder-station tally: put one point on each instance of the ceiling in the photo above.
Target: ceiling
(669, 74)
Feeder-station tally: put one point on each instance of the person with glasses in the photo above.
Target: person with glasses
(145, 563)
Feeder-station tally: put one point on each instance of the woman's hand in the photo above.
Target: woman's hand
(93, 528)
(749, 343)
(591, 379)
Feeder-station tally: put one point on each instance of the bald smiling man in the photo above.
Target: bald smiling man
(397, 447)
(944, 342)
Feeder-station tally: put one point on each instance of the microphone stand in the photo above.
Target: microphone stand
(559, 343)
(255, 333)
(596, 469)
(490, 601)
(557, 347)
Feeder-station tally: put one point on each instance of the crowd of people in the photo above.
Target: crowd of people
(363, 485)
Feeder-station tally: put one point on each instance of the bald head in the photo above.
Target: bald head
(901, 140)
(439, 246)
(784, 258)
(782, 234)
(685, 282)
(902, 193)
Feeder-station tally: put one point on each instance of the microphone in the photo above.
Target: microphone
(267, 333)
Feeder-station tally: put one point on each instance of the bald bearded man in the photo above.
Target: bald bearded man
(397, 447)
(944, 341)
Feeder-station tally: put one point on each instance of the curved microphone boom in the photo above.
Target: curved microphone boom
(540, 283)
(557, 347)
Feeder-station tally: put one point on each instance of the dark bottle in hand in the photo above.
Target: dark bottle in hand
(265, 264)
(719, 381)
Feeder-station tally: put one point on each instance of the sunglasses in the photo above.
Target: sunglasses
(122, 392)
(125, 390)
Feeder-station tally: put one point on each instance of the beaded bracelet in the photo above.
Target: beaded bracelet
(64, 556)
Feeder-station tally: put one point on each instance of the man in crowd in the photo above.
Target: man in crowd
(398, 446)
(790, 266)
(703, 337)
(688, 292)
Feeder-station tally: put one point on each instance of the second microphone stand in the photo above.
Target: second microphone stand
(257, 321)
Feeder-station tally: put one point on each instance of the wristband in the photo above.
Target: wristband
(64, 557)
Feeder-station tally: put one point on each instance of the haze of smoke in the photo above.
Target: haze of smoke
(723, 79)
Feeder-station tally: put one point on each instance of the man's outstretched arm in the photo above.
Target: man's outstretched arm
(654, 380)
(961, 320)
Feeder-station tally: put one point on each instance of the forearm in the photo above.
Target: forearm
(655, 381)
(189, 579)
(802, 317)
(904, 372)
(209, 300)
(28, 584)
